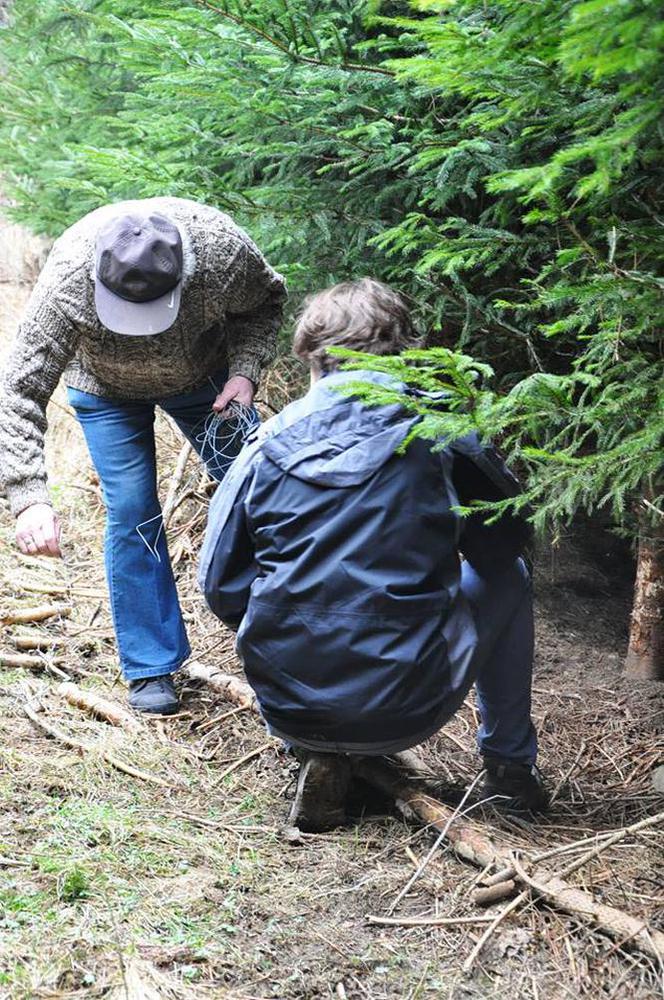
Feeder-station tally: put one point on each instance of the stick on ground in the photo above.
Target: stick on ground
(38, 664)
(23, 661)
(618, 924)
(38, 641)
(94, 704)
(428, 921)
(517, 901)
(243, 760)
(59, 734)
(170, 503)
(471, 844)
(228, 685)
(39, 614)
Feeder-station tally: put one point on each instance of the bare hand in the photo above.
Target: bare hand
(237, 390)
(38, 531)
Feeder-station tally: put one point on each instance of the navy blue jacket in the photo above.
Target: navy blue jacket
(338, 562)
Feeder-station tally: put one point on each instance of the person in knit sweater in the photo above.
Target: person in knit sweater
(154, 302)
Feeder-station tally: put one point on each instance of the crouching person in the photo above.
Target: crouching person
(338, 561)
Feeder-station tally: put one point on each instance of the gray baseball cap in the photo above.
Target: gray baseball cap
(138, 274)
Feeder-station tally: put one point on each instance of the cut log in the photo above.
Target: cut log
(493, 893)
(95, 704)
(40, 640)
(24, 661)
(645, 655)
(228, 685)
(39, 614)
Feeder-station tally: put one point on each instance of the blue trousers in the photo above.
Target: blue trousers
(150, 632)
(503, 659)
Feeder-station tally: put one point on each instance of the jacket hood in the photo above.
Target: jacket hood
(335, 440)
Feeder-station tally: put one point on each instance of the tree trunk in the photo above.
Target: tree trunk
(645, 656)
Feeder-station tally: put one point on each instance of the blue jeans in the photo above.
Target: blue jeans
(502, 664)
(149, 629)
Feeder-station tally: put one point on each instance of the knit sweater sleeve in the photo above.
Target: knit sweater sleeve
(255, 300)
(44, 344)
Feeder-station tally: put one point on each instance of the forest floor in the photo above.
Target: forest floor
(115, 886)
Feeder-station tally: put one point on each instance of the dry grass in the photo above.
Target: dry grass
(113, 887)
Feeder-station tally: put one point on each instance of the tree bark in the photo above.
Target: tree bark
(645, 656)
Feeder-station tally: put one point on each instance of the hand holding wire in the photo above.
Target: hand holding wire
(238, 389)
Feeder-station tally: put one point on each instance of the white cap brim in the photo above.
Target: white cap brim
(137, 319)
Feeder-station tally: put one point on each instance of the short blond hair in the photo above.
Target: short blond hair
(363, 315)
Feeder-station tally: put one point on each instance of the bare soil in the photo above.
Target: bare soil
(113, 886)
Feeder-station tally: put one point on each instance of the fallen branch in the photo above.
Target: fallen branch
(39, 614)
(59, 734)
(607, 840)
(471, 844)
(170, 502)
(98, 706)
(436, 844)
(243, 760)
(428, 921)
(228, 685)
(470, 961)
(618, 924)
(468, 841)
(642, 824)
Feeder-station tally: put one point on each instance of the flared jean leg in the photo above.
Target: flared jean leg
(150, 632)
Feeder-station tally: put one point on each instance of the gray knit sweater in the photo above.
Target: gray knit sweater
(230, 314)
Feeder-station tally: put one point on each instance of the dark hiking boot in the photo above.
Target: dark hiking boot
(322, 787)
(154, 694)
(520, 786)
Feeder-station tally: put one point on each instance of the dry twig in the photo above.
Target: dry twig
(470, 961)
(428, 921)
(57, 589)
(52, 730)
(243, 760)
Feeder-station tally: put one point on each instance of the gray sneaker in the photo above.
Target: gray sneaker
(322, 788)
(154, 694)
